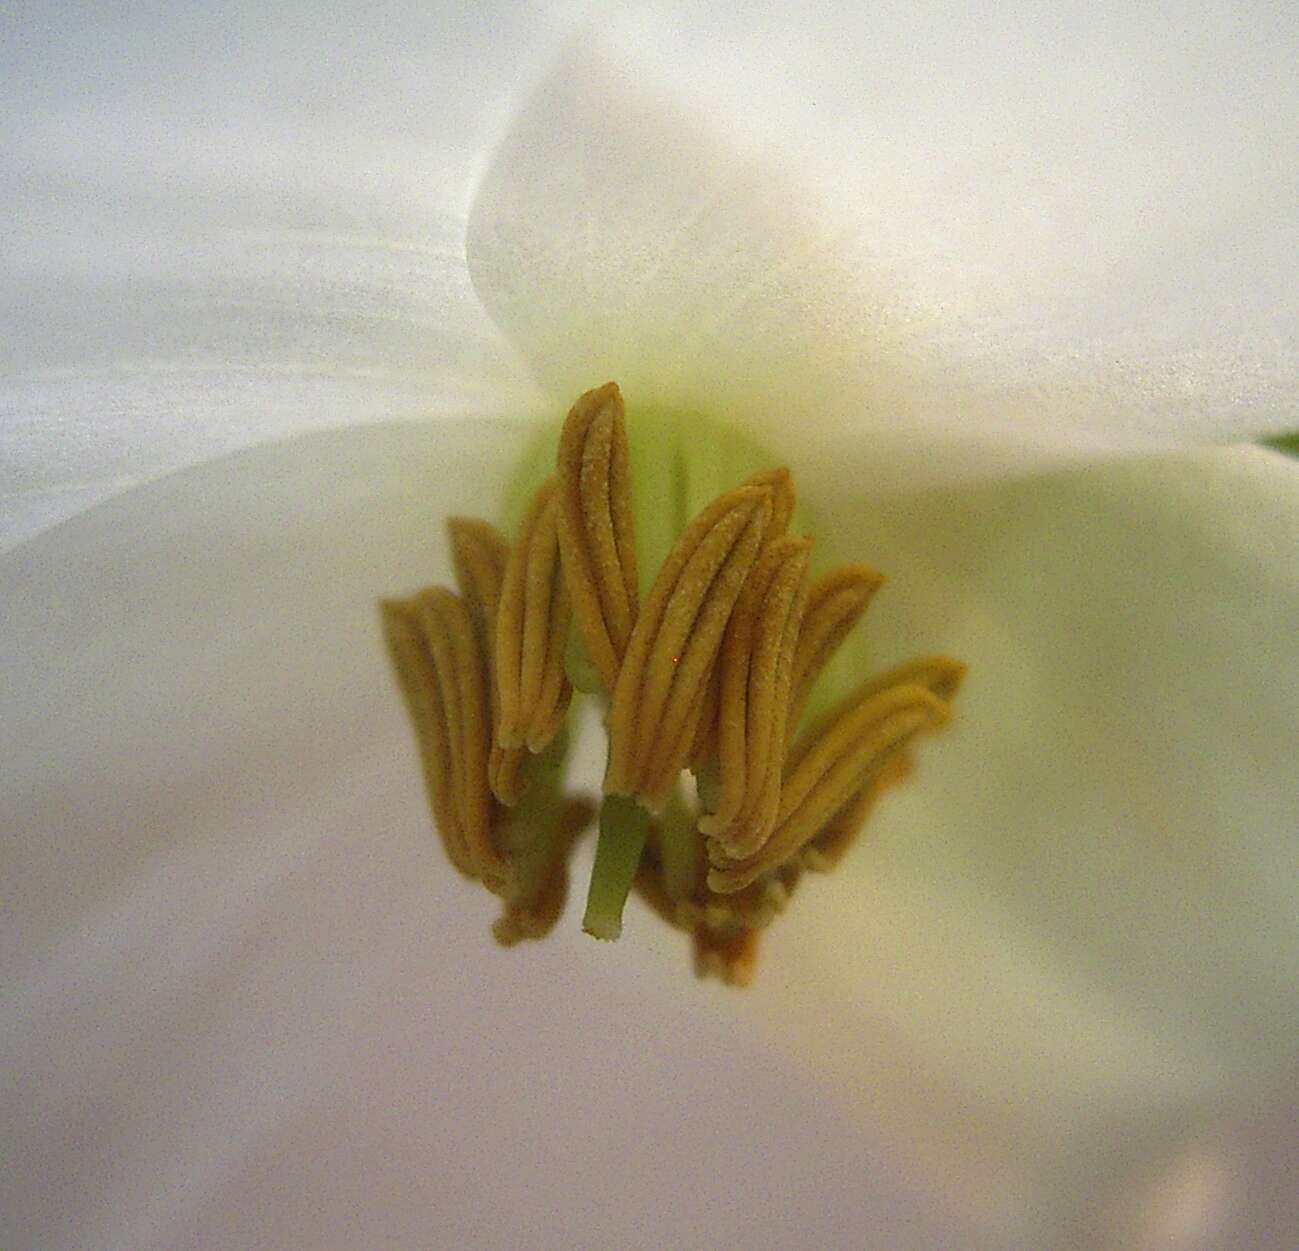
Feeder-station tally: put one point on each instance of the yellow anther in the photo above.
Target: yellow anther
(756, 667)
(422, 690)
(704, 747)
(838, 760)
(942, 675)
(462, 674)
(480, 553)
(828, 847)
(835, 603)
(780, 482)
(507, 773)
(675, 642)
(434, 645)
(595, 526)
(531, 630)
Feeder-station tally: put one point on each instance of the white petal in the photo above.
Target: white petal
(248, 1005)
(1052, 236)
(1083, 909)
(224, 227)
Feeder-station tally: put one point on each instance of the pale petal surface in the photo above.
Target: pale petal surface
(1083, 909)
(252, 1007)
(242, 972)
(225, 224)
(247, 1003)
(1005, 240)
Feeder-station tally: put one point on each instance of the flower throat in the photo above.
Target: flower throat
(669, 589)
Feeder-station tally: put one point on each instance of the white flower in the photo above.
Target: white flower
(245, 1002)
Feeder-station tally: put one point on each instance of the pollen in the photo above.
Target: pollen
(717, 800)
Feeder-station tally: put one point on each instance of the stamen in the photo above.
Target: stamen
(480, 553)
(756, 669)
(458, 782)
(595, 527)
(461, 668)
(828, 847)
(675, 641)
(940, 674)
(703, 752)
(780, 482)
(554, 691)
(531, 631)
(713, 670)
(835, 603)
(833, 765)
(422, 690)
(507, 773)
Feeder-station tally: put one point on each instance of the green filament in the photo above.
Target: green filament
(624, 825)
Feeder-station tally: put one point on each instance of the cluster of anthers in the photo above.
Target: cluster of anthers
(709, 677)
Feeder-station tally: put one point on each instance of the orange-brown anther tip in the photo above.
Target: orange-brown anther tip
(591, 403)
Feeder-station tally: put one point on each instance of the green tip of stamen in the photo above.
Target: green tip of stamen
(624, 825)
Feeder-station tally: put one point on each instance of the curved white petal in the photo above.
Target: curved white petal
(247, 1004)
(1083, 910)
(1035, 235)
(223, 227)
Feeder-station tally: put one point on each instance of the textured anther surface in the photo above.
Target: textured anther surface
(595, 526)
(708, 674)
(676, 640)
(531, 631)
(756, 670)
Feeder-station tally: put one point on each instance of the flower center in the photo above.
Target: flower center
(703, 674)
